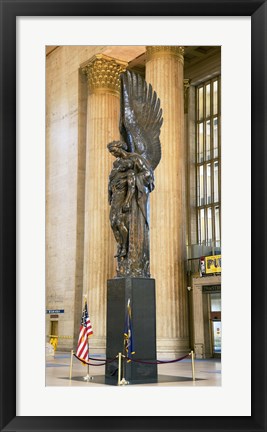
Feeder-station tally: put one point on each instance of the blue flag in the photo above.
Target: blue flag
(128, 334)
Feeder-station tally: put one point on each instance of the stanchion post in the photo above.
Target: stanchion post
(88, 377)
(71, 361)
(123, 380)
(193, 365)
(119, 368)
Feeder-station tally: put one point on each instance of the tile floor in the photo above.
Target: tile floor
(207, 372)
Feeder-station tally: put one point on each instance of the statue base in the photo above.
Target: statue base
(141, 292)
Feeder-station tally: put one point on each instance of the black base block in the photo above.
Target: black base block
(141, 292)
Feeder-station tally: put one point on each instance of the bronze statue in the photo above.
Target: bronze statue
(131, 178)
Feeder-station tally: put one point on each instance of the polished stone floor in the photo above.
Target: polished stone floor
(207, 372)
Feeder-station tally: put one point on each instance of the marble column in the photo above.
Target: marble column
(103, 109)
(164, 70)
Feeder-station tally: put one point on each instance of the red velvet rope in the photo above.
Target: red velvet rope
(95, 359)
(91, 364)
(158, 361)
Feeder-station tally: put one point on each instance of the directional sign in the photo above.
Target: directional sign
(54, 311)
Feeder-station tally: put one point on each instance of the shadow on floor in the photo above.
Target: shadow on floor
(101, 379)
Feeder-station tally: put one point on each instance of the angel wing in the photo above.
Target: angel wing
(140, 117)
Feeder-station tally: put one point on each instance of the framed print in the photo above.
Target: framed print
(27, 403)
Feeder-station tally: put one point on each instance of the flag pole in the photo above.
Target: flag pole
(88, 377)
(71, 361)
(123, 381)
(119, 368)
(123, 362)
(85, 323)
(193, 365)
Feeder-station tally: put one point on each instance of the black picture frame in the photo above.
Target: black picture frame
(257, 10)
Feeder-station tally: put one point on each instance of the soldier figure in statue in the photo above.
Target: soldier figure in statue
(132, 176)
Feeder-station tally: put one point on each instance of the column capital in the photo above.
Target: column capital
(186, 88)
(156, 51)
(103, 73)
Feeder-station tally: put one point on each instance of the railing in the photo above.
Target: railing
(195, 251)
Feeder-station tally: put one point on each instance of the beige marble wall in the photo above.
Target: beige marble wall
(65, 167)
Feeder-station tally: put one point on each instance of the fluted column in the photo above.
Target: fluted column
(103, 109)
(164, 70)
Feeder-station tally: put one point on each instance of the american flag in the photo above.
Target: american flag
(85, 331)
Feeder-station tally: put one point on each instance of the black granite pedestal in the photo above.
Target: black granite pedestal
(141, 292)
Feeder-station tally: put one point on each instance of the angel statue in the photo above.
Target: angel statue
(132, 176)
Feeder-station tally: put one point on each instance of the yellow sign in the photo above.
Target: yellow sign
(53, 342)
(213, 264)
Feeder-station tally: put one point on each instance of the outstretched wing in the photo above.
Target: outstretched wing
(141, 117)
